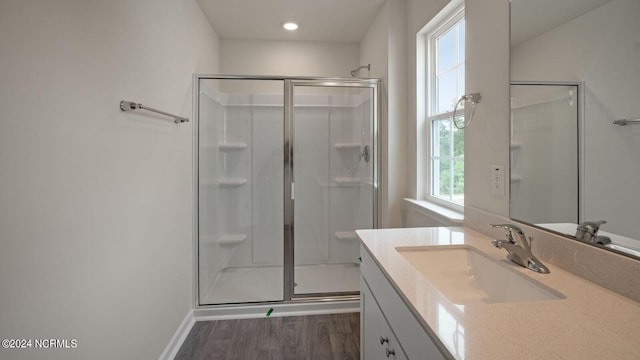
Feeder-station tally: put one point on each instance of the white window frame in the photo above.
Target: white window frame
(439, 26)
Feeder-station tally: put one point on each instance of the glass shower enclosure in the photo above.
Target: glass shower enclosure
(285, 172)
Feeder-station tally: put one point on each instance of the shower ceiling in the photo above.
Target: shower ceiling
(319, 20)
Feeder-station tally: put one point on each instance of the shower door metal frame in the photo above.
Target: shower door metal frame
(289, 203)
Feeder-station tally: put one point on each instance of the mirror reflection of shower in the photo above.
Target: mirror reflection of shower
(356, 72)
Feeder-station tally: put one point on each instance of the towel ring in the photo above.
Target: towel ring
(474, 99)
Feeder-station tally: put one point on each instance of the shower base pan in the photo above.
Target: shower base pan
(257, 284)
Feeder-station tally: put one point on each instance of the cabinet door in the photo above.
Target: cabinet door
(416, 343)
(378, 341)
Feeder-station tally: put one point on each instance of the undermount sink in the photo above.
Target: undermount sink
(466, 276)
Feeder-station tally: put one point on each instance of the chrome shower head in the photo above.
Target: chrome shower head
(355, 72)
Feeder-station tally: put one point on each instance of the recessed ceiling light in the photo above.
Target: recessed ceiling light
(290, 26)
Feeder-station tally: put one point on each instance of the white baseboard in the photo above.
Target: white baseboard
(178, 338)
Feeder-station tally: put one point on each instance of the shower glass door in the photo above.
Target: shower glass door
(285, 174)
(240, 166)
(333, 176)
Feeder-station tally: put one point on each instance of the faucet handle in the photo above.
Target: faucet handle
(511, 230)
(590, 227)
(595, 224)
(506, 226)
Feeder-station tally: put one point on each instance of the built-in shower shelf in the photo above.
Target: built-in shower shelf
(232, 146)
(348, 146)
(208, 182)
(346, 235)
(232, 182)
(347, 181)
(231, 239)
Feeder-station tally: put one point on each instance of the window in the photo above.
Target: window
(444, 86)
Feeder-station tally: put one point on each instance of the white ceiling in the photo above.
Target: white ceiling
(319, 20)
(348, 20)
(530, 18)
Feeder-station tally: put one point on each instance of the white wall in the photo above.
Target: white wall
(96, 204)
(384, 47)
(487, 64)
(290, 58)
(486, 141)
(601, 49)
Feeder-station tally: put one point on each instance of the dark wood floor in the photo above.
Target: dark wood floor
(326, 337)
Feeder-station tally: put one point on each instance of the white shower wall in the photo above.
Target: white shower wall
(240, 182)
(333, 188)
(544, 153)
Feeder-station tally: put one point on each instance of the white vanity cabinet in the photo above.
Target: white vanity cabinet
(389, 330)
(377, 339)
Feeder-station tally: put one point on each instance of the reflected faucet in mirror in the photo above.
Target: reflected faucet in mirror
(518, 248)
(588, 232)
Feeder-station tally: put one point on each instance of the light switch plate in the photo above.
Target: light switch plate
(497, 180)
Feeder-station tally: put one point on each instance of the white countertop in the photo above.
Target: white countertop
(590, 323)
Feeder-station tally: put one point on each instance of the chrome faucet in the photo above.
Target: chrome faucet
(518, 248)
(588, 232)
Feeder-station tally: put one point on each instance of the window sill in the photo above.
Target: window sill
(431, 209)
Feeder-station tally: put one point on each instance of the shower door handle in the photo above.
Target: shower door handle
(365, 154)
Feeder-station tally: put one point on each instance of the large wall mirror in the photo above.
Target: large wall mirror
(575, 119)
